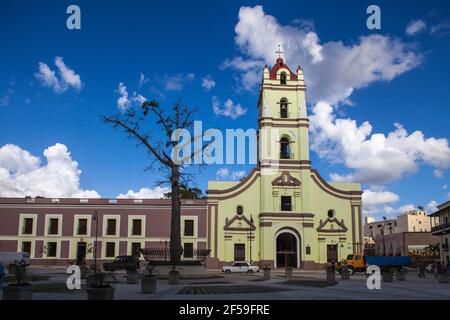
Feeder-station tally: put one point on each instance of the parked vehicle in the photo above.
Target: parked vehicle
(122, 263)
(240, 266)
(358, 262)
(14, 257)
(431, 267)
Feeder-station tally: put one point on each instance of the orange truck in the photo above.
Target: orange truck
(359, 262)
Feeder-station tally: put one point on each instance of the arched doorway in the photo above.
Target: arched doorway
(287, 249)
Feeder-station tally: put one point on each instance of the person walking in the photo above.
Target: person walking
(421, 270)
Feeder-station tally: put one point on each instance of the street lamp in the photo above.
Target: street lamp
(165, 246)
(96, 241)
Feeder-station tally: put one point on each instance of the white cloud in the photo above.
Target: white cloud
(142, 80)
(374, 157)
(22, 174)
(208, 83)
(124, 101)
(229, 108)
(374, 200)
(176, 82)
(444, 187)
(68, 75)
(393, 212)
(48, 77)
(415, 26)
(68, 78)
(236, 175)
(145, 193)
(333, 70)
(438, 173)
(431, 206)
(223, 173)
(5, 99)
(441, 29)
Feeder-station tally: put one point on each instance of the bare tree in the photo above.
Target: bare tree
(136, 123)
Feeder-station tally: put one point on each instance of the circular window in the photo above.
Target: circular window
(239, 210)
(331, 213)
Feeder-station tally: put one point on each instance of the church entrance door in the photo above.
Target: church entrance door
(287, 250)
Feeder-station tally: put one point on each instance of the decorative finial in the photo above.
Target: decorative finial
(279, 51)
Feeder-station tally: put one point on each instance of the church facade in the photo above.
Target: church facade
(283, 213)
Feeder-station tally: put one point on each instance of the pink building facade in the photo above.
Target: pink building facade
(62, 231)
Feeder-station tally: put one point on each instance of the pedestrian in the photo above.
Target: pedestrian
(421, 270)
(2, 274)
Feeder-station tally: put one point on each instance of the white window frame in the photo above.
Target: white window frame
(189, 240)
(195, 218)
(106, 217)
(47, 224)
(58, 249)
(33, 244)
(22, 217)
(130, 226)
(130, 243)
(76, 219)
(116, 248)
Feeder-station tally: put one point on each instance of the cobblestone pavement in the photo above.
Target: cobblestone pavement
(304, 285)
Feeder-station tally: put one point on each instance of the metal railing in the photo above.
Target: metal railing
(163, 254)
(444, 228)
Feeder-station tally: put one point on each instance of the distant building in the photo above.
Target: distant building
(409, 234)
(440, 221)
(414, 244)
(368, 220)
(378, 229)
(414, 221)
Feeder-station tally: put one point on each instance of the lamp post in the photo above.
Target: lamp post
(165, 246)
(96, 240)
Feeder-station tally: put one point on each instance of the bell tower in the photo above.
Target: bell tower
(282, 117)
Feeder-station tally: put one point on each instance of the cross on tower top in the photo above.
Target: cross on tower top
(279, 51)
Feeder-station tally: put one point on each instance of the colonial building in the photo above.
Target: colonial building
(61, 231)
(407, 235)
(409, 221)
(283, 213)
(441, 229)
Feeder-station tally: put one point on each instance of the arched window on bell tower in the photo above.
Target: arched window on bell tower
(285, 150)
(284, 108)
(283, 77)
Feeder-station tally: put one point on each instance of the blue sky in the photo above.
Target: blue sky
(175, 45)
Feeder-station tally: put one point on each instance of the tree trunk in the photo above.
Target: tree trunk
(175, 225)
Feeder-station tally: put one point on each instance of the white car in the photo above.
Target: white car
(240, 266)
(11, 257)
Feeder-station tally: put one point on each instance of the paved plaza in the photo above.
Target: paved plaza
(305, 285)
